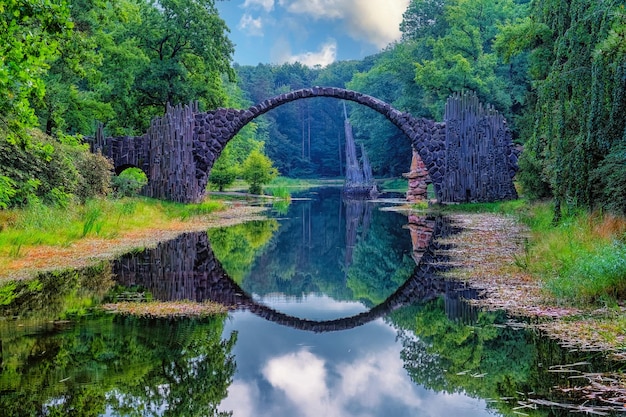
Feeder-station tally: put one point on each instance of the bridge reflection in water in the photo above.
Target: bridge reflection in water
(186, 268)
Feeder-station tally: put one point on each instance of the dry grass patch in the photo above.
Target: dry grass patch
(166, 309)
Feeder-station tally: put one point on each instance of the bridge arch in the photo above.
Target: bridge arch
(470, 157)
(216, 128)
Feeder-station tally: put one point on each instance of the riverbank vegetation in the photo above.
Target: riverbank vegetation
(532, 269)
(580, 261)
(41, 238)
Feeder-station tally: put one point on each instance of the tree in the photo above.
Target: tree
(463, 57)
(188, 51)
(258, 170)
(224, 171)
(422, 18)
(87, 68)
(29, 36)
(576, 60)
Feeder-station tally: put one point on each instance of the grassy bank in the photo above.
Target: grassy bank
(46, 238)
(39, 224)
(581, 261)
(569, 277)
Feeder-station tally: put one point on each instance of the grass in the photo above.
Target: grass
(38, 225)
(583, 259)
(302, 183)
(400, 185)
(580, 262)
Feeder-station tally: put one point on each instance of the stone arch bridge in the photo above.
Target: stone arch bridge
(179, 149)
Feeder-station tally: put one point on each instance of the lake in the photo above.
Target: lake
(339, 308)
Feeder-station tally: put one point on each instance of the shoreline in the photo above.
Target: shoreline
(484, 254)
(89, 251)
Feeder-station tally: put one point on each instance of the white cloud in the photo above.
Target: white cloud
(325, 56)
(266, 5)
(377, 376)
(302, 377)
(243, 398)
(252, 27)
(374, 21)
(377, 21)
(317, 9)
(309, 385)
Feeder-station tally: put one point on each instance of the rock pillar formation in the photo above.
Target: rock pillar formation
(418, 180)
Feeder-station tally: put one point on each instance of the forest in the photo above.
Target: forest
(555, 69)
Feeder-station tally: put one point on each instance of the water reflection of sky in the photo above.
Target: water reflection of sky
(311, 306)
(286, 372)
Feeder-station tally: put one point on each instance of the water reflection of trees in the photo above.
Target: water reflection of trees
(237, 246)
(484, 359)
(347, 249)
(117, 365)
(305, 253)
(379, 258)
(57, 294)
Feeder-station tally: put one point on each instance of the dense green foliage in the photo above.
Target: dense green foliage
(108, 365)
(30, 33)
(67, 64)
(130, 182)
(576, 57)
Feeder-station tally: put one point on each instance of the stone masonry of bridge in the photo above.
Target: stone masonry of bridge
(179, 149)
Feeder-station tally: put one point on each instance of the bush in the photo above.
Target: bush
(38, 167)
(257, 170)
(530, 176)
(7, 191)
(96, 172)
(130, 182)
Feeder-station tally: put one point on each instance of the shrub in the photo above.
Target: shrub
(257, 170)
(95, 175)
(51, 171)
(130, 182)
(7, 191)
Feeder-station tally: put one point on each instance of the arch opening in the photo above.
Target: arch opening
(424, 135)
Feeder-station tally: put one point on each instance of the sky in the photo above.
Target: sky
(312, 32)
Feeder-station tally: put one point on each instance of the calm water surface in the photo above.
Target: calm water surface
(340, 309)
